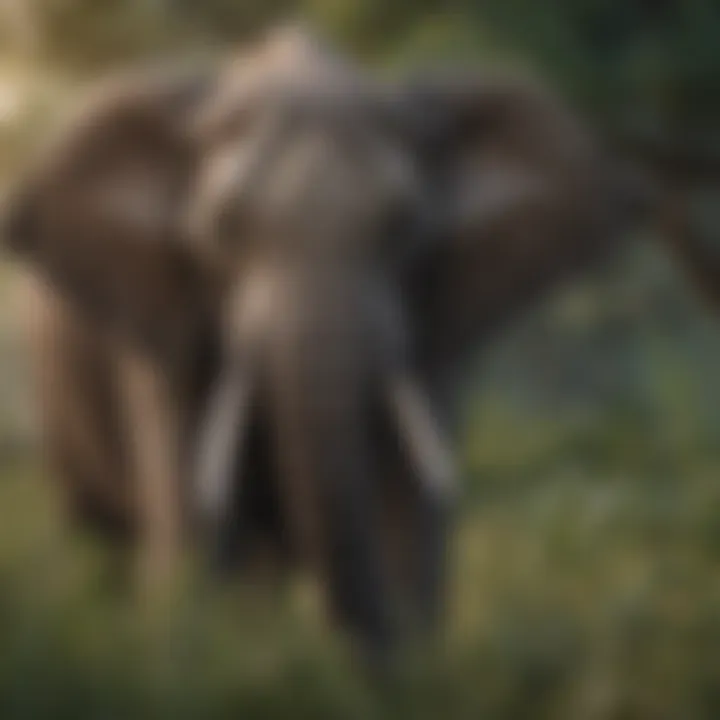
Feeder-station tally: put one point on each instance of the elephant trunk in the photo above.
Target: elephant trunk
(320, 375)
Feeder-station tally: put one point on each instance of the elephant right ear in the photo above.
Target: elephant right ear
(99, 214)
(524, 195)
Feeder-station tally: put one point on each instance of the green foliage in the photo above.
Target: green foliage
(652, 64)
(585, 590)
(650, 68)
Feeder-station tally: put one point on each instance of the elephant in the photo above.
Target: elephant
(292, 263)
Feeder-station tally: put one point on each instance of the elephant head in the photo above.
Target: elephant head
(351, 241)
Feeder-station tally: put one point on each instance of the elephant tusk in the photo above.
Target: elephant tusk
(222, 433)
(224, 428)
(419, 432)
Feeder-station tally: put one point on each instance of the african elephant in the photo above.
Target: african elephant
(338, 245)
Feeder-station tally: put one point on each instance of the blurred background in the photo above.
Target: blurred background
(587, 581)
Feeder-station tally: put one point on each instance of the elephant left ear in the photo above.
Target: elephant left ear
(99, 213)
(523, 196)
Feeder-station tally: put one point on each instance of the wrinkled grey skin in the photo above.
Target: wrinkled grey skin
(345, 245)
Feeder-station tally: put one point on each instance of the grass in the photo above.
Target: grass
(576, 594)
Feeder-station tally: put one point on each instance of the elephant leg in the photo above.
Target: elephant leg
(414, 530)
(429, 562)
(261, 550)
(153, 423)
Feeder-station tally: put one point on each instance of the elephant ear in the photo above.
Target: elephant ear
(524, 200)
(98, 215)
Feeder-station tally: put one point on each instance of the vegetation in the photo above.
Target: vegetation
(586, 583)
